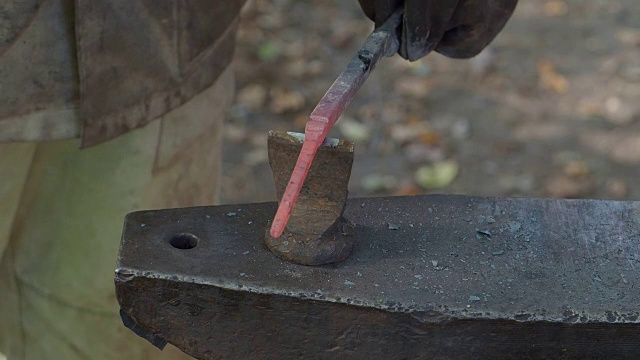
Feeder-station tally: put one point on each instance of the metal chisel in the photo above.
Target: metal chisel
(383, 41)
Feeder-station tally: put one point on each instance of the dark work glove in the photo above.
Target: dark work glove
(454, 28)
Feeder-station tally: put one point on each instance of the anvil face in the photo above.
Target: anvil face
(429, 277)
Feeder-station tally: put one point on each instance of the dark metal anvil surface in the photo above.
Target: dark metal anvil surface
(431, 277)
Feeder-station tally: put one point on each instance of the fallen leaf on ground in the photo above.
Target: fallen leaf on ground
(419, 153)
(408, 190)
(401, 133)
(481, 63)
(619, 111)
(429, 137)
(283, 100)
(404, 133)
(540, 131)
(297, 68)
(369, 111)
(518, 184)
(627, 150)
(300, 121)
(413, 86)
(631, 72)
(378, 182)
(617, 188)
(555, 8)
(619, 145)
(505, 147)
(420, 68)
(234, 133)
(342, 36)
(256, 157)
(590, 107)
(315, 67)
(353, 130)
(438, 175)
(576, 169)
(271, 20)
(393, 112)
(562, 186)
(628, 37)
(550, 78)
(268, 52)
(252, 96)
(460, 129)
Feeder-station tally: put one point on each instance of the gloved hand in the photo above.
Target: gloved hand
(454, 28)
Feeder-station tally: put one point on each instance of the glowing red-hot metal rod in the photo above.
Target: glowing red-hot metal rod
(383, 41)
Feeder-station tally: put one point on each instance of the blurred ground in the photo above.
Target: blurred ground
(552, 108)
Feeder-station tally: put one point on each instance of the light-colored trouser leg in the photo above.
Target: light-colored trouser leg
(61, 218)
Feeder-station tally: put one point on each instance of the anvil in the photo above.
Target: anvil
(430, 277)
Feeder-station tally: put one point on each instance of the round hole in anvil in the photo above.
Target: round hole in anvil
(184, 241)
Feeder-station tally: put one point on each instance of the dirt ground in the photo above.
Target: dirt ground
(551, 108)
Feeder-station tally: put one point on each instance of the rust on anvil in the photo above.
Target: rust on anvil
(316, 233)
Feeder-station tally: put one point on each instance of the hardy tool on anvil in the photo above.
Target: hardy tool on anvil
(308, 239)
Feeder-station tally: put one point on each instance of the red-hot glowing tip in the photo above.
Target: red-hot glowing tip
(312, 141)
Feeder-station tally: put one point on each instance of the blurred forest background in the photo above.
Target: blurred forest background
(551, 108)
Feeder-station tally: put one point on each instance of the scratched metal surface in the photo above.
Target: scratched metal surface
(440, 258)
